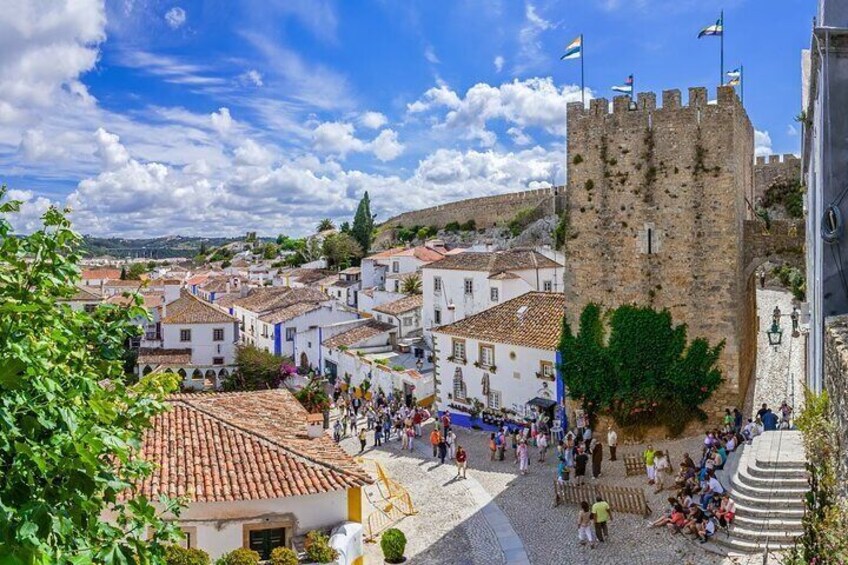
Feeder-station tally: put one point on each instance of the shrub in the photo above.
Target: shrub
(393, 544)
(452, 227)
(470, 225)
(283, 556)
(577, 159)
(176, 555)
(239, 556)
(640, 369)
(318, 548)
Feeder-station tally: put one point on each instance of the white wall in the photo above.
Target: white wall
(515, 379)
(203, 347)
(326, 316)
(399, 321)
(220, 524)
(348, 362)
(378, 298)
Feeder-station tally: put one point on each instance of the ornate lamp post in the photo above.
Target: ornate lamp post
(775, 334)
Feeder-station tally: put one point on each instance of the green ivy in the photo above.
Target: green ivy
(633, 364)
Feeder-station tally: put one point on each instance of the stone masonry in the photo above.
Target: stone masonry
(656, 206)
(771, 169)
(836, 383)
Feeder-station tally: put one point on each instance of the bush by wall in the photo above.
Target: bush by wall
(393, 544)
(634, 365)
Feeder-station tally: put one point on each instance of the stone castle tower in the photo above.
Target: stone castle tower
(656, 207)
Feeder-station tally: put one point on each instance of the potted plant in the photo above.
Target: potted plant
(318, 549)
(283, 556)
(476, 409)
(393, 544)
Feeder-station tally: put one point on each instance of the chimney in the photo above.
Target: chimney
(314, 425)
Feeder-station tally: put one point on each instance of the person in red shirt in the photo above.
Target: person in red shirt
(461, 461)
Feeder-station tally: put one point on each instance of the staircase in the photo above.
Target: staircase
(768, 487)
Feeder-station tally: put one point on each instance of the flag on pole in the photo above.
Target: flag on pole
(732, 82)
(574, 50)
(716, 29)
(735, 73)
(627, 88)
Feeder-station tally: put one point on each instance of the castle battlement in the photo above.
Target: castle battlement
(772, 159)
(647, 102)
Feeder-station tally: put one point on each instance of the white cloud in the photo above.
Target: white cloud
(35, 146)
(28, 219)
(221, 120)
(762, 143)
(175, 17)
(518, 136)
(499, 63)
(531, 56)
(110, 150)
(430, 55)
(535, 102)
(372, 120)
(252, 77)
(791, 130)
(252, 153)
(170, 69)
(386, 146)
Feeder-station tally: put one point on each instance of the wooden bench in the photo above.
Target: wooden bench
(633, 464)
(621, 499)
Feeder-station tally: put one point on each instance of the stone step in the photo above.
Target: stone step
(757, 533)
(759, 471)
(787, 524)
(757, 512)
(774, 499)
(775, 480)
(764, 490)
(748, 546)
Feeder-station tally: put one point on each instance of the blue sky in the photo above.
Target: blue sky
(193, 117)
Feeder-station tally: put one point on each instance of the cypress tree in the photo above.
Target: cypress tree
(363, 224)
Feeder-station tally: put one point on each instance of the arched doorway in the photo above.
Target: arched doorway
(304, 360)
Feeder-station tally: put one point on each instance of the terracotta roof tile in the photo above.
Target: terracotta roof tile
(291, 312)
(219, 447)
(495, 261)
(267, 299)
(358, 334)
(533, 320)
(82, 294)
(101, 273)
(188, 309)
(402, 305)
(159, 356)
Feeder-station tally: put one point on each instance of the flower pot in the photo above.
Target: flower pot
(402, 560)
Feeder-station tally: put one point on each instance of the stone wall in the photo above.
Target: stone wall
(487, 211)
(771, 169)
(780, 242)
(836, 383)
(656, 205)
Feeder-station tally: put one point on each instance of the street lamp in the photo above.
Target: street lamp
(775, 334)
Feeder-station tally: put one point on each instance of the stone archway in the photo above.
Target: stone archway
(304, 360)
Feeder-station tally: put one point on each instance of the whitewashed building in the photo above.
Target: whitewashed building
(191, 338)
(268, 475)
(503, 357)
(404, 314)
(399, 261)
(468, 283)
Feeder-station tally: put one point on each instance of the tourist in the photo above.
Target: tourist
(542, 444)
(446, 422)
(500, 442)
(705, 529)
(728, 420)
(378, 435)
(737, 420)
(648, 457)
(677, 520)
(443, 450)
(597, 457)
(762, 410)
(337, 431)
(762, 278)
(410, 437)
(580, 461)
(450, 439)
(794, 316)
(666, 515)
(584, 526)
(361, 440)
(612, 442)
(514, 442)
(661, 468)
(587, 435)
(523, 457)
(562, 472)
(461, 461)
(726, 510)
(435, 439)
(713, 488)
(493, 446)
(603, 515)
(785, 415)
(345, 423)
(770, 421)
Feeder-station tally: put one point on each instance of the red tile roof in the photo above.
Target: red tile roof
(358, 334)
(218, 447)
(188, 309)
(103, 273)
(159, 356)
(495, 261)
(402, 305)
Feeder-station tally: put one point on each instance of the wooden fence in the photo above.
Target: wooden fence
(621, 499)
(633, 465)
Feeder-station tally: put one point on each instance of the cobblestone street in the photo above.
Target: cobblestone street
(457, 523)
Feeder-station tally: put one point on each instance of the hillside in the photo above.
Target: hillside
(154, 248)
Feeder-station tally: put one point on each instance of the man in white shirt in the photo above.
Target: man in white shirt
(612, 442)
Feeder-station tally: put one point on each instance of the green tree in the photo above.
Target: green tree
(411, 284)
(203, 249)
(123, 273)
(135, 271)
(325, 224)
(363, 224)
(345, 227)
(70, 425)
(341, 249)
(257, 370)
(270, 251)
(640, 369)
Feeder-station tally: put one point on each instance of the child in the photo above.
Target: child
(585, 531)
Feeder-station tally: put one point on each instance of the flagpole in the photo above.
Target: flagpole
(632, 86)
(582, 77)
(742, 82)
(721, 77)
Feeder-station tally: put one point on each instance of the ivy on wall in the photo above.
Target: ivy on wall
(826, 515)
(633, 364)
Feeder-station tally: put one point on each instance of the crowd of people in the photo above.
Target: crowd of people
(701, 504)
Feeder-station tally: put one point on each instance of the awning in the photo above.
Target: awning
(544, 403)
